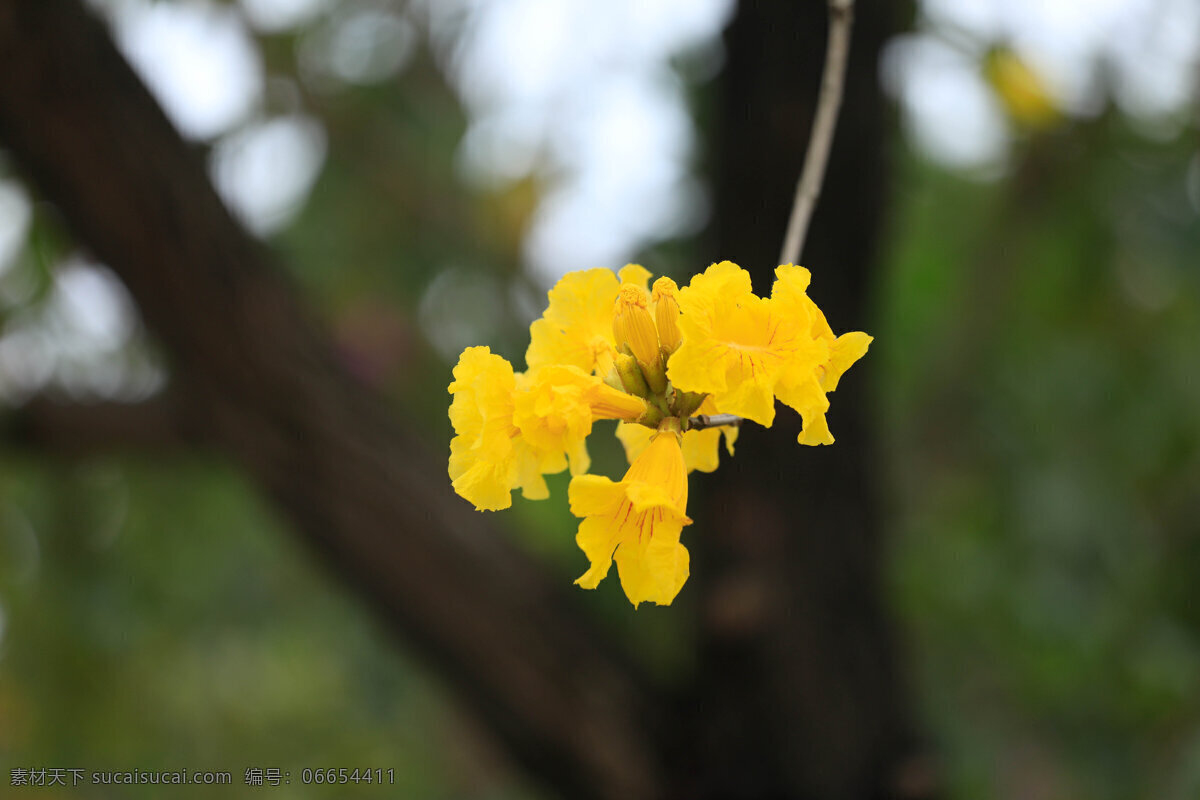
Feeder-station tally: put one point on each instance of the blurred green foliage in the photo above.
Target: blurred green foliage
(1042, 410)
(158, 617)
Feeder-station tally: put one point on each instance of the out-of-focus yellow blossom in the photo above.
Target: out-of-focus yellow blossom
(606, 348)
(1022, 91)
(637, 522)
(701, 446)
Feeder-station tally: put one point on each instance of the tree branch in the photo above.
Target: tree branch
(159, 424)
(833, 79)
(702, 421)
(271, 393)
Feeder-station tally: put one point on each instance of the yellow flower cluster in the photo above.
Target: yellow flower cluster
(610, 347)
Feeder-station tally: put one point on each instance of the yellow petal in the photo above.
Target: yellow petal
(576, 327)
(730, 432)
(661, 465)
(645, 496)
(553, 408)
(737, 345)
(531, 465)
(549, 344)
(816, 367)
(597, 538)
(724, 280)
(635, 274)
(534, 487)
(483, 465)
(698, 365)
(609, 403)
(790, 280)
(590, 495)
(482, 388)
(654, 569)
(640, 519)
(848, 348)
(599, 500)
(700, 447)
(487, 485)
(751, 399)
(634, 438)
(670, 563)
(807, 397)
(816, 429)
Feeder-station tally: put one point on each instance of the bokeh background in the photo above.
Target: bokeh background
(427, 169)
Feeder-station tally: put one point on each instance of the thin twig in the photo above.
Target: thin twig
(837, 51)
(701, 421)
(833, 82)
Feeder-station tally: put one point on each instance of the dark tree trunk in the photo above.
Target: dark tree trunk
(799, 690)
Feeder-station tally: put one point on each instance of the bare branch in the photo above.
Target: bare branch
(808, 189)
(702, 421)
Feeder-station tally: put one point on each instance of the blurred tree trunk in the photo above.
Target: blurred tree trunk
(799, 691)
(254, 376)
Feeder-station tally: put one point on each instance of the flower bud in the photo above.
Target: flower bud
(666, 314)
(631, 376)
(613, 379)
(609, 403)
(633, 325)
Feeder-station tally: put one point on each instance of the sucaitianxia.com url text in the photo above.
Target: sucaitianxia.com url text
(73, 776)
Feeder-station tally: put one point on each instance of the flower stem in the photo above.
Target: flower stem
(837, 51)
